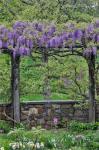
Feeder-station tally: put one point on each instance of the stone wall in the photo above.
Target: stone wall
(43, 112)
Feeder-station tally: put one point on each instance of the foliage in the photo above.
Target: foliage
(80, 127)
(4, 79)
(61, 79)
(57, 10)
(59, 71)
(53, 139)
(5, 126)
(9, 10)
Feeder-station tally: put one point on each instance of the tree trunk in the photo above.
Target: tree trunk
(91, 65)
(15, 62)
(97, 87)
(97, 79)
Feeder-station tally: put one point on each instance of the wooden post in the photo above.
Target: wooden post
(91, 65)
(15, 62)
(46, 89)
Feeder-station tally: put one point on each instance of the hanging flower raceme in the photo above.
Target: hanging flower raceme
(20, 25)
(90, 28)
(97, 24)
(77, 34)
(15, 40)
(55, 42)
(90, 51)
(96, 38)
(51, 31)
(0, 44)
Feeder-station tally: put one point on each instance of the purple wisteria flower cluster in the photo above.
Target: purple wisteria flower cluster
(24, 36)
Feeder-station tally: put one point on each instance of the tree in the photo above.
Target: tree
(59, 11)
(45, 39)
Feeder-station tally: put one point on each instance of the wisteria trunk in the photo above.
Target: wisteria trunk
(15, 65)
(91, 65)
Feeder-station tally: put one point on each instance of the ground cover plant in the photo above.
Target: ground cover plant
(81, 136)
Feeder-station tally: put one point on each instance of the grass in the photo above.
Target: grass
(39, 97)
(4, 141)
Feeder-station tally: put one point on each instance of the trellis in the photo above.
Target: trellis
(25, 38)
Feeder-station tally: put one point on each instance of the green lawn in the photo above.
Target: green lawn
(38, 97)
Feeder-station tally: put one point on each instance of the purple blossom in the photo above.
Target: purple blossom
(29, 43)
(27, 51)
(5, 44)
(97, 24)
(15, 35)
(90, 28)
(48, 44)
(39, 27)
(52, 43)
(92, 37)
(11, 43)
(24, 51)
(2, 27)
(19, 24)
(55, 42)
(39, 42)
(87, 52)
(21, 51)
(0, 43)
(5, 31)
(64, 36)
(94, 51)
(70, 35)
(21, 41)
(10, 35)
(90, 51)
(55, 121)
(97, 38)
(42, 40)
(77, 34)
(51, 31)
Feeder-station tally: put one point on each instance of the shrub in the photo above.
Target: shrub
(5, 126)
(79, 127)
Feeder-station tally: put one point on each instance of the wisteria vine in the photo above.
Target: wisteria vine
(23, 37)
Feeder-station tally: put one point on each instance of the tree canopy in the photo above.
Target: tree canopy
(58, 10)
